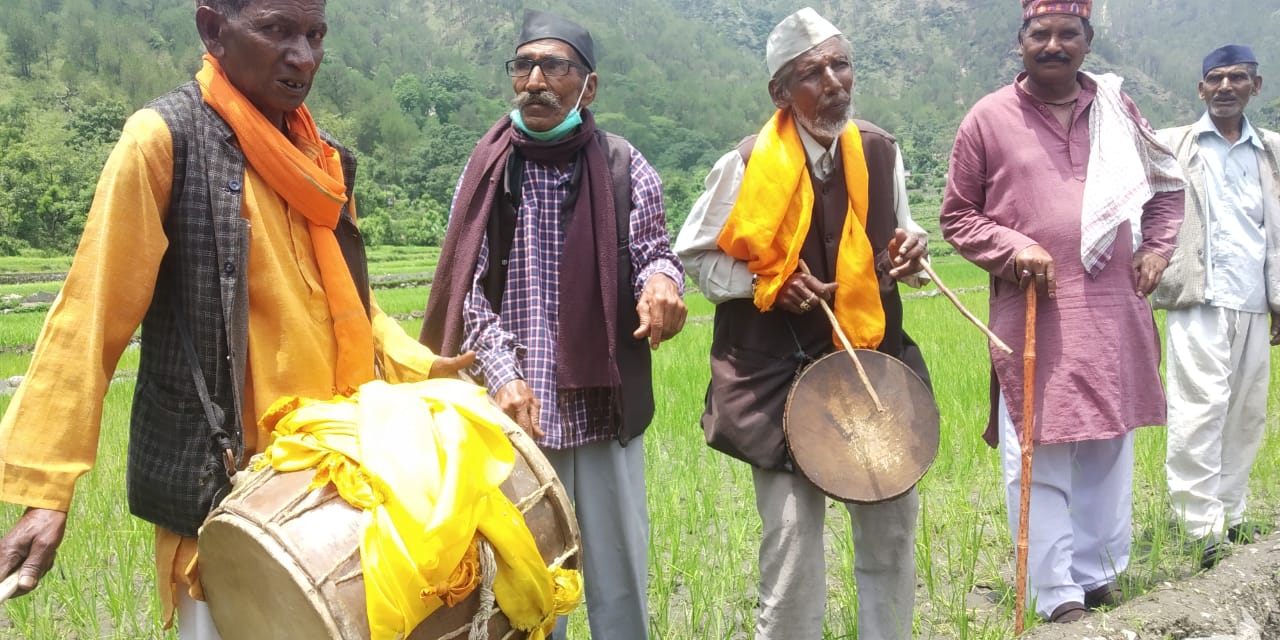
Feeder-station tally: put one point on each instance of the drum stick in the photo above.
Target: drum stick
(1028, 450)
(9, 585)
(937, 282)
(848, 348)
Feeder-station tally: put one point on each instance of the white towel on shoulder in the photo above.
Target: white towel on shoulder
(1127, 165)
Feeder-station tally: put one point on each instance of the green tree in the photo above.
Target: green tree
(24, 43)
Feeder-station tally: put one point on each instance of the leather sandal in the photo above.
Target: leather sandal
(1213, 553)
(1067, 612)
(1108, 595)
(1244, 533)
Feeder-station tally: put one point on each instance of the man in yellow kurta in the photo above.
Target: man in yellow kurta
(224, 224)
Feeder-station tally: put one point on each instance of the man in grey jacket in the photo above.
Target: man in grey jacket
(1221, 285)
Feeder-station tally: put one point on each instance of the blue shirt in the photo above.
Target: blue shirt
(1235, 244)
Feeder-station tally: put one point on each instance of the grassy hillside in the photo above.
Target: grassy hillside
(412, 84)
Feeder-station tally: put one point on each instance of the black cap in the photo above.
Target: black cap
(540, 25)
(1226, 56)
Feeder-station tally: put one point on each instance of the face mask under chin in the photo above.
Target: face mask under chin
(570, 122)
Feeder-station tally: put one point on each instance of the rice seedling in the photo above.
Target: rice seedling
(34, 264)
(401, 301)
(20, 329)
(704, 529)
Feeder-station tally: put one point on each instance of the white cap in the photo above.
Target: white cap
(796, 34)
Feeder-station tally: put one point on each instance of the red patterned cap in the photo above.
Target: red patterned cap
(1035, 8)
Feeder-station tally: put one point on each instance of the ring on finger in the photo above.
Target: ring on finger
(805, 306)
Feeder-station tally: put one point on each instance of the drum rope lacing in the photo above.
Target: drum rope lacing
(488, 571)
(479, 629)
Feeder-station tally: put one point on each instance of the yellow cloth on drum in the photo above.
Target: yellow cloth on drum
(425, 462)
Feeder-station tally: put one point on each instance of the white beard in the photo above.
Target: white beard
(826, 128)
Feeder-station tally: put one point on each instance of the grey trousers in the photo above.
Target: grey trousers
(793, 575)
(606, 483)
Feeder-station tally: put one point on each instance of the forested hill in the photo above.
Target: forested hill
(412, 84)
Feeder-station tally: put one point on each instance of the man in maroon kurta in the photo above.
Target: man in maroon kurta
(1030, 192)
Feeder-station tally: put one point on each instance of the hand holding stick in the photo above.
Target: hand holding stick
(9, 585)
(844, 340)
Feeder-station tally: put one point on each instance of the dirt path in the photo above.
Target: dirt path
(1237, 600)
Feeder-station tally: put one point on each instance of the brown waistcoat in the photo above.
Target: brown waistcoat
(755, 356)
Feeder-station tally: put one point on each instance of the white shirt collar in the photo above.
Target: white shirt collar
(813, 150)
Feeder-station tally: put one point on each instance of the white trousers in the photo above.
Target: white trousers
(605, 481)
(1079, 525)
(194, 621)
(793, 574)
(1219, 365)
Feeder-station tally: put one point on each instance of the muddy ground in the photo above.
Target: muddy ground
(1237, 600)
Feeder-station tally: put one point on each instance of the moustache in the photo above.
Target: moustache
(839, 101)
(1053, 57)
(546, 98)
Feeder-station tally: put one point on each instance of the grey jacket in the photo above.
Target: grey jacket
(1183, 283)
(175, 472)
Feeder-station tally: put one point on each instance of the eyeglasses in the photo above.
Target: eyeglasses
(551, 67)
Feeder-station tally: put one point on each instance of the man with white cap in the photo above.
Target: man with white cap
(1222, 290)
(562, 319)
(816, 186)
(1046, 173)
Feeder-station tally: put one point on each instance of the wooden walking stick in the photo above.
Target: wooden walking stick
(1028, 451)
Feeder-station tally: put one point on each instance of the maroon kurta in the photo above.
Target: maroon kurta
(1016, 179)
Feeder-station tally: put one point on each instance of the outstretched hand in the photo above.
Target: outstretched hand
(30, 546)
(449, 366)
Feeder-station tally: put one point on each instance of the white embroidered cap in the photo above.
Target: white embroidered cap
(796, 34)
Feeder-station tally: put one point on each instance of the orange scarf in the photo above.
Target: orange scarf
(771, 217)
(312, 186)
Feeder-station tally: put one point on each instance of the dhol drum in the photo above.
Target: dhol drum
(844, 444)
(279, 562)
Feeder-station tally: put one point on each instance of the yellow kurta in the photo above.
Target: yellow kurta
(49, 436)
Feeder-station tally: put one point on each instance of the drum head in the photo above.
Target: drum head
(847, 448)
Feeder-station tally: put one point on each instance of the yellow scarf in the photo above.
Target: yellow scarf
(771, 218)
(314, 187)
(426, 462)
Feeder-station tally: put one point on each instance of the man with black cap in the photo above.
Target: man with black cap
(1222, 290)
(818, 186)
(561, 317)
(1048, 175)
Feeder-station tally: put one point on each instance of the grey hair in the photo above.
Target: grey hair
(786, 74)
(225, 7)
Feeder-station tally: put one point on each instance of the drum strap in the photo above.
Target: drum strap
(801, 355)
(220, 439)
